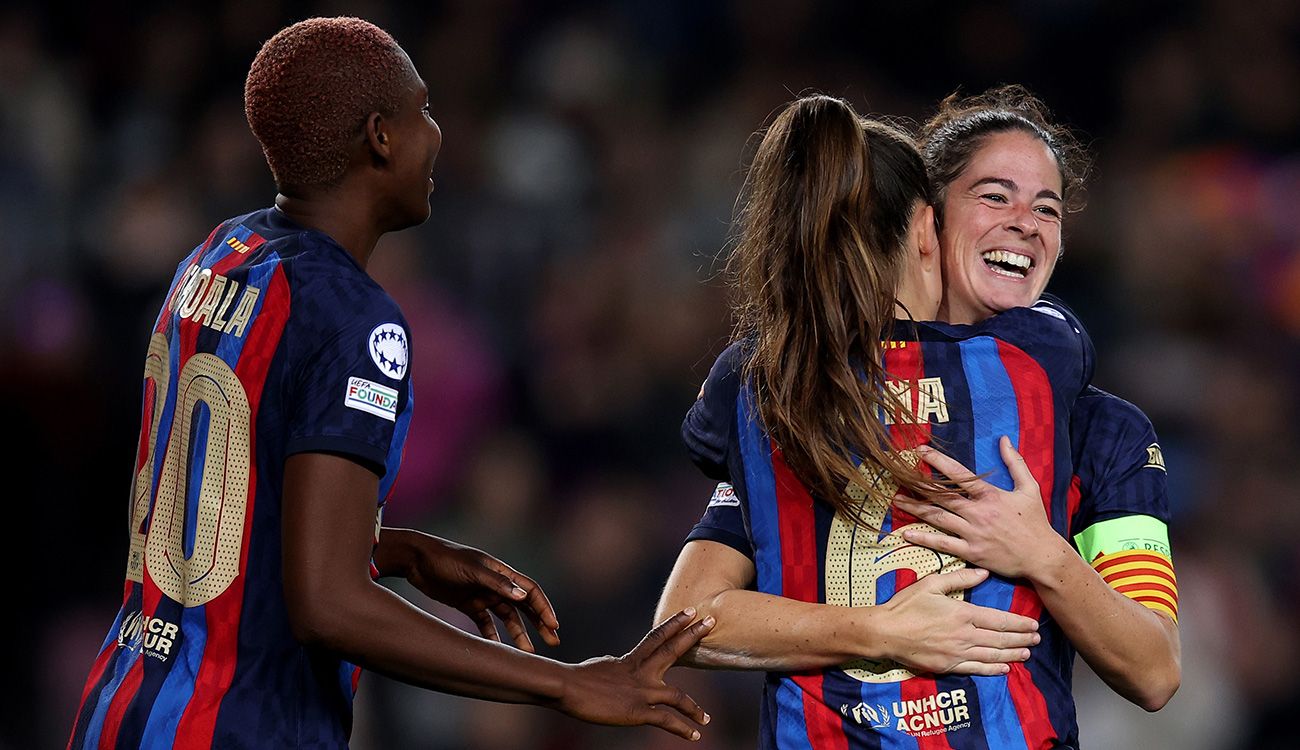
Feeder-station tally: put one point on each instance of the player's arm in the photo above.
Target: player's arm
(921, 627)
(1144, 579)
(469, 580)
(328, 527)
(1133, 648)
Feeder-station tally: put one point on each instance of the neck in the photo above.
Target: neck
(338, 214)
(912, 302)
(952, 311)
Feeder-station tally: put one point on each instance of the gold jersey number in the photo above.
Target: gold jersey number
(222, 496)
(858, 556)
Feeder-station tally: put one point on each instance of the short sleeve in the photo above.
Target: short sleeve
(724, 521)
(352, 381)
(710, 424)
(1118, 460)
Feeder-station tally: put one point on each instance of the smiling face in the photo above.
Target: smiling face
(1001, 232)
(416, 142)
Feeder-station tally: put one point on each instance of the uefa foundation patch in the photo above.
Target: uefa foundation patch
(724, 495)
(371, 397)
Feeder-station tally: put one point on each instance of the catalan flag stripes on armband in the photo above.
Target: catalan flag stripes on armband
(1144, 576)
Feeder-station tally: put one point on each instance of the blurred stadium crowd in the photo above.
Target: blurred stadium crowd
(566, 300)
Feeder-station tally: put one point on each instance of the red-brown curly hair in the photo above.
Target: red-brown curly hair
(311, 88)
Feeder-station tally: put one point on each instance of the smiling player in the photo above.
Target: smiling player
(277, 396)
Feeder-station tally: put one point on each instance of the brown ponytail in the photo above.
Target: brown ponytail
(822, 225)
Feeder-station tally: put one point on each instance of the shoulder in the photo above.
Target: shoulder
(1050, 333)
(730, 364)
(708, 426)
(328, 286)
(1105, 427)
(1098, 407)
(725, 376)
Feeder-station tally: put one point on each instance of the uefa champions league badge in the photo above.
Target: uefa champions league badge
(388, 348)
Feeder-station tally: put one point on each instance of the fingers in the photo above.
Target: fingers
(667, 720)
(539, 608)
(663, 646)
(948, 545)
(498, 578)
(677, 699)
(1015, 462)
(997, 655)
(1003, 622)
(939, 514)
(514, 626)
(996, 639)
(981, 668)
(951, 468)
(487, 627)
(958, 580)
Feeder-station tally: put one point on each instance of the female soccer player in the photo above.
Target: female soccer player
(276, 402)
(1117, 510)
(836, 227)
(889, 707)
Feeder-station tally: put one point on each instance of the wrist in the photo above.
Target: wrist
(1052, 566)
(871, 627)
(556, 688)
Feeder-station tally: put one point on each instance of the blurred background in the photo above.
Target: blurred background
(566, 302)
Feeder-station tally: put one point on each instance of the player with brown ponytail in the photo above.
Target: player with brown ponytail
(823, 249)
(813, 419)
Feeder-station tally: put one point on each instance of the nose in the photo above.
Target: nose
(1023, 221)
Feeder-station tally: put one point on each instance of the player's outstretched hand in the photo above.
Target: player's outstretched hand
(480, 585)
(933, 632)
(630, 690)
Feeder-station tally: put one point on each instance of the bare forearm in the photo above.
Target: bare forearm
(379, 630)
(1132, 648)
(765, 632)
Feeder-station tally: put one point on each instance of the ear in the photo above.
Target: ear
(379, 139)
(924, 234)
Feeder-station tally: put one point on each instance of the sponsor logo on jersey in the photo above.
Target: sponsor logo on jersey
(372, 398)
(877, 716)
(388, 349)
(153, 636)
(945, 711)
(724, 495)
(1155, 459)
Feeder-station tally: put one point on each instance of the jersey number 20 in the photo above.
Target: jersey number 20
(209, 442)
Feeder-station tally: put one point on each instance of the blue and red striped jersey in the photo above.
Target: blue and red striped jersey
(272, 341)
(1017, 374)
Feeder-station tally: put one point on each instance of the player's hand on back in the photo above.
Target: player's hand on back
(629, 690)
(479, 585)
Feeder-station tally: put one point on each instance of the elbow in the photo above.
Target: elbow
(309, 624)
(316, 614)
(1157, 691)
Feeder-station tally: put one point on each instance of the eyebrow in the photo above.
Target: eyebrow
(1013, 187)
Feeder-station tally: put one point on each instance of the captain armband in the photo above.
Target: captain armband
(1131, 554)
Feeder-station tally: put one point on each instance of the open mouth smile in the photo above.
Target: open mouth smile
(1013, 265)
